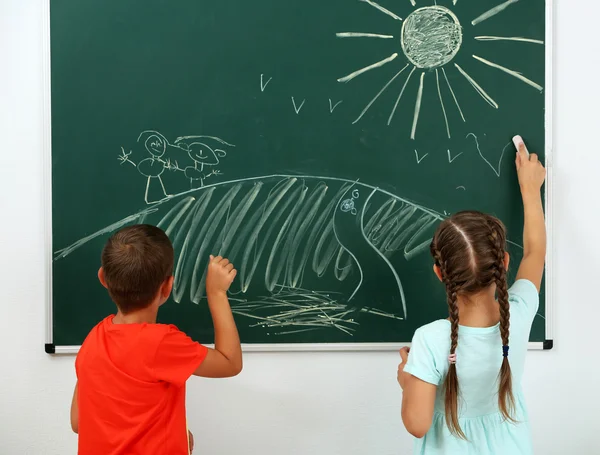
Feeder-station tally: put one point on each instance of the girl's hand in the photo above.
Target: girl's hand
(401, 375)
(530, 170)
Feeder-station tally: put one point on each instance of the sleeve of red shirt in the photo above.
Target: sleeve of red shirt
(177, 357)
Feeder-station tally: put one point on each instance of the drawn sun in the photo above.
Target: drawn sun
(430, 38)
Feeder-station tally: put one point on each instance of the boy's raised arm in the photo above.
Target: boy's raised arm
(225, 360)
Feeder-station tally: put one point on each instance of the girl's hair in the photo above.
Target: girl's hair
(469, 249)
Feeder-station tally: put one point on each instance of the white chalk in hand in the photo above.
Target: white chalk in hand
(518, 140)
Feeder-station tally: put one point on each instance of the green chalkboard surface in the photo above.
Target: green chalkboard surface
(316, 143)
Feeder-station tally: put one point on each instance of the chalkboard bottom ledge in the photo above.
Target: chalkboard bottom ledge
(50, 348)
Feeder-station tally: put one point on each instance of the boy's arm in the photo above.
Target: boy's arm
(225, 360)
(531, 177)
(75, 410)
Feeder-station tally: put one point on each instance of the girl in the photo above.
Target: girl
(461, 389)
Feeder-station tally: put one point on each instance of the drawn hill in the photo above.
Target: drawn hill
(311, 252)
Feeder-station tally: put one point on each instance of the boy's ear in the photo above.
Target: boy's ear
(437, 271)
(101, 277)
(166, 288)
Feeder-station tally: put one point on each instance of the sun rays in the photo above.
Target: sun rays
(430, 38)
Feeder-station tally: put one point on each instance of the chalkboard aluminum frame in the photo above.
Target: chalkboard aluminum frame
(50, 348)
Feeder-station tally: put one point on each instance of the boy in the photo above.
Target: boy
(131, 372)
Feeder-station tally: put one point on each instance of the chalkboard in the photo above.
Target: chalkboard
(317, 144)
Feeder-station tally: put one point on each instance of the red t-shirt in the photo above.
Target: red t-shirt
(132, 389)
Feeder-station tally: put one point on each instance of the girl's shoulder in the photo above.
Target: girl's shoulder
(436, 330)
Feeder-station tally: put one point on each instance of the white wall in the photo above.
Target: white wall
(344, 403)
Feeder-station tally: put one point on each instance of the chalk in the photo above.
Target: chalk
(518, 140)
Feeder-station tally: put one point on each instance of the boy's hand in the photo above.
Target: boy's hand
(530, 170)
(401, 375)
(220, 275)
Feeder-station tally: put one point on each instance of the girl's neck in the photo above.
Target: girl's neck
(479, 310)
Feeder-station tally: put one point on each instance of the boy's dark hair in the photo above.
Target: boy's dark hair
(136, 261)
(469, 248)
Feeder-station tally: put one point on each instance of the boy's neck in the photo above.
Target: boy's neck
(147, 315)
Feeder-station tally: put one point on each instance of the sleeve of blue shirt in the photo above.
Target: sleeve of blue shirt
(524, 300)
(421, 360)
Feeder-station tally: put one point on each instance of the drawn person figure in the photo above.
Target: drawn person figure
(202, 155)
(153, 167)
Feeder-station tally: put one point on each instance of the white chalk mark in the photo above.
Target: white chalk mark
(181, 138)
(362, 35)
(286, 231)
(212, 227)
(305, 309)
(410, 250)
(263, 86)
(124, 157)
(349, 252)
(382, 9)
(478, 88)
(498, 169)
(333, 106)
(437, 80)
(188, 229)
(400, 96)
(453, 95)
(511, 72)
(269, 206)
(454, 2)
(64, 252)
(431, 36)
(165, 156)
(362, 230)
(378, 64)
(297, 108)
(460, 187)
(177, 212)
(251, 244)
(492, 12)
(451, 158)
(417, 107)
(413, 2)
(509, 38)
(379, 94)
(421, 158)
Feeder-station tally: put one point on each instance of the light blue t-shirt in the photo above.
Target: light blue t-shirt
(478, 361)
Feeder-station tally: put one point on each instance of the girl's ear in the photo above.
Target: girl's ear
(506, 260)
(437, 271)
